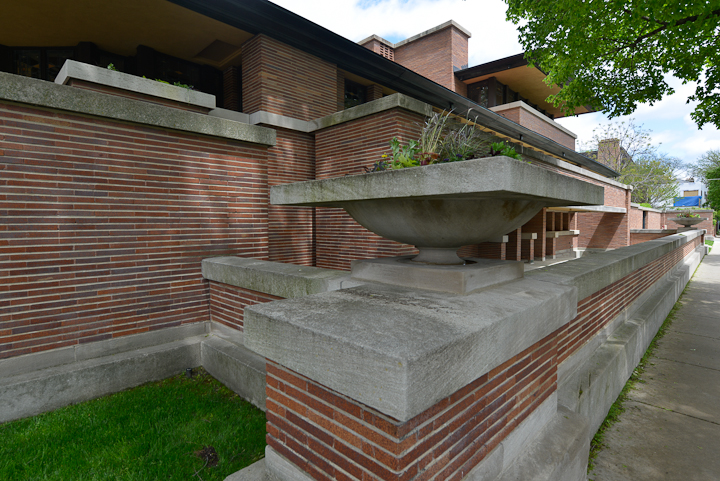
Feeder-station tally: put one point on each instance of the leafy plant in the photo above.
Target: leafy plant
(688, 215)
(111, 67)
(500, 148)
(442, 139)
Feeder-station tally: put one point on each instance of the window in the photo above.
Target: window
(354, 94)
(42, 63)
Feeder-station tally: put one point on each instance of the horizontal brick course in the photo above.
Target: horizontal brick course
(329, 433)
(103, 225)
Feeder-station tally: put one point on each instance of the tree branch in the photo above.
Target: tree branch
(665, 26)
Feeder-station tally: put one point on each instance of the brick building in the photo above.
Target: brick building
(114, 187)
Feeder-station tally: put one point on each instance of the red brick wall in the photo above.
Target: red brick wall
(636, 238)
(537, 225)
(597, 310)
(232, 88)
(602, 230)
(332, 437)
(433, 56)
(636, 218)
(282, 80)
(228, 303)
(104, 224)
(654, 220)
(345, 149)
(291, 229)
(380, 49)
(536, 124)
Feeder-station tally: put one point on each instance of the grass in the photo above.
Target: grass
(617, 408)
(709, 243)
(177, 429)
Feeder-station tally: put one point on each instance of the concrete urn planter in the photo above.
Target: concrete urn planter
(440, 208)
(687, 221)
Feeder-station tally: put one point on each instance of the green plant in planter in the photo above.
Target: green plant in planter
(688, 215)
(442, 139)
(500, 148)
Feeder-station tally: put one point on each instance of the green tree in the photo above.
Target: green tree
(709, 161)
(713, 192)
(615, 54)
(653, 178)
(615, 144)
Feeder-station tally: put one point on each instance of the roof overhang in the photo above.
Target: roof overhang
(516, 73)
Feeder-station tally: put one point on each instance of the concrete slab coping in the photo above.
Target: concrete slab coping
(529, 235)
(484, 178)
(560, 233)
(648, 209)
(103, 76)
(543, 118)
(449, 23)
(402, 350)
(460, 279)
(370, 108)
(275, 278)
(17, 88)
(589, 274)
(653, 231)
(591, 208)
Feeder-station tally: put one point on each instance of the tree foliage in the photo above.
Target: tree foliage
(614, 54)
(709, 161)
(653, 178)
(713, 192)
(634, 141)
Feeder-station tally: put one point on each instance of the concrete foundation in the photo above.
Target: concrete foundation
(38, 383)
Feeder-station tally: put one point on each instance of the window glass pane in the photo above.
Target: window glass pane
(499, 94)
(172, 70)
(56, 59)
(354, 94)
(27, 63)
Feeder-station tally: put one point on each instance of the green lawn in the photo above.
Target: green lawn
(167, 430)
(709, 243)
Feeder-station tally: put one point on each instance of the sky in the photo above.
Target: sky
(493, 37)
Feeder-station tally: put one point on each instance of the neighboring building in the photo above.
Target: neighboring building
(611, 154)
(692, 194)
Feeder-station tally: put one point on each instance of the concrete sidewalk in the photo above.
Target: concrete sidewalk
(670, 429)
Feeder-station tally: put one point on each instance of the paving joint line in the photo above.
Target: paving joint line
(693, 334)
(676, 412)
(687, 363)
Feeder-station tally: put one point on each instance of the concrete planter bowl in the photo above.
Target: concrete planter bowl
(687, 221)
(440, 208)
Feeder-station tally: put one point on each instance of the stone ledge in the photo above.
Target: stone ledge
(589, 274)
(16, 88)
(275, 278)
(432, 344)
(15, 366)
(376, 106)
(653, 231)
(90, 73)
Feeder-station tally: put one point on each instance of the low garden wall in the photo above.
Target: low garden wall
(319, 427)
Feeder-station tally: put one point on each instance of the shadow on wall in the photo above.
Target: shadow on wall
(604, 234)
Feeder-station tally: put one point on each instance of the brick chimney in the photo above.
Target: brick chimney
(436, 53)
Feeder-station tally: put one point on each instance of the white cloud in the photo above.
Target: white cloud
(395, 20)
